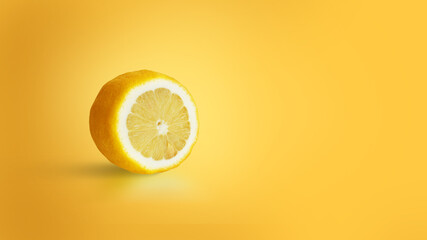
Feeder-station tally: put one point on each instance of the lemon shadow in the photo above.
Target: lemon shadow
(111, 182)
(104, 170)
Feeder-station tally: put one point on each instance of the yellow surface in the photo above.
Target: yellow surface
(312, 119)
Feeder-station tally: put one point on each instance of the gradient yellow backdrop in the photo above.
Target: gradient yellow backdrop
(312, 119)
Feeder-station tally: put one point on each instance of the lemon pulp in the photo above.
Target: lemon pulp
(158, 124)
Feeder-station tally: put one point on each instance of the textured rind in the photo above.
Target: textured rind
(104, 115)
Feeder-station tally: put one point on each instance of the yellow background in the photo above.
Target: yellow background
(312, 119)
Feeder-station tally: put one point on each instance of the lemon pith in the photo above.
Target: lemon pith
(145, 122)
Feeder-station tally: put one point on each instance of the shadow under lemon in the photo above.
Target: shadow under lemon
(103, 170)
(116, 182)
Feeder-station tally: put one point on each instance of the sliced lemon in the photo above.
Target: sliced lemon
(143, 121)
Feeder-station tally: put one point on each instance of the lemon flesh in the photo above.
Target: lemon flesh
(158, 124)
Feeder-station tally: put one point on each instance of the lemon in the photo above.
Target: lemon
(144, 122)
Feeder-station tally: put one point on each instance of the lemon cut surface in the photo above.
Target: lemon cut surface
(158, 124)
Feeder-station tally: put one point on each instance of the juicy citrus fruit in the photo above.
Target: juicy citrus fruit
(143, 121)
